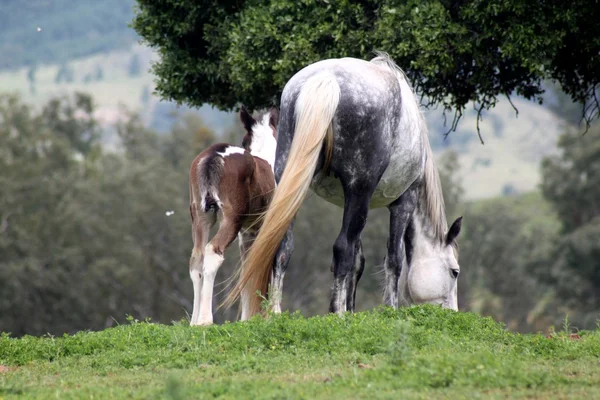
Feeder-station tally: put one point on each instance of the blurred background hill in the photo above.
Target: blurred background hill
(91, 159)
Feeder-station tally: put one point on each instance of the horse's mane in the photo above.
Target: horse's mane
(431, 194)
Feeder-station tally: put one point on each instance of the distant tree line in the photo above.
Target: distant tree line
(68, 29)
(85, 239)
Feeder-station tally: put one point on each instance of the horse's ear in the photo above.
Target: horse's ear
(246, 119)
(454, 231)
(274, 117)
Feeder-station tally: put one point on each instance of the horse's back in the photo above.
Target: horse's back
(357, 76)
(371, 140)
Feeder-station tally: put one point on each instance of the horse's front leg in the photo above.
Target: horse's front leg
(401, 211)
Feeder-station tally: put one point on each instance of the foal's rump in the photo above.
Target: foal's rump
(215, 174)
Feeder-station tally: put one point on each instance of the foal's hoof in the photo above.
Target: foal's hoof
(202, 323)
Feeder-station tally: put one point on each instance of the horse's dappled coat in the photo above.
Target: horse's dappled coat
(353, 131)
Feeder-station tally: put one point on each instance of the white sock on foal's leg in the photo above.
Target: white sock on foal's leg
(244, 299)
(245, 240)
(196, 276)
(212, 263)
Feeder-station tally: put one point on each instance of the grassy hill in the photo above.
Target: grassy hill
(418, 352)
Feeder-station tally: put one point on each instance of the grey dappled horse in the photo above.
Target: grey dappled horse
(353, 132)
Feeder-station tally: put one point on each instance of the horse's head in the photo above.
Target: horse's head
(432, 275)
(262, 134)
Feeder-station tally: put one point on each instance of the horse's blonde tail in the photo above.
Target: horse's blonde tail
(315, 108)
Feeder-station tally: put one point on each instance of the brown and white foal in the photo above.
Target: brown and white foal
(231, 185)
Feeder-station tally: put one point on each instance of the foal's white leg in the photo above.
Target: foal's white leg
(212, 263)
(213, 258)
(245, 300)
(245, 240)
(201, 232)
(196, 276)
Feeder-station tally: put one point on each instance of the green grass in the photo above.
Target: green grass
(418, 352)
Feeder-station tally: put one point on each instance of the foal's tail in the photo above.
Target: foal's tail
(315, 107)
(209, 175)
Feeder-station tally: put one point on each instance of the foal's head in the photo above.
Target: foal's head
(261, 133)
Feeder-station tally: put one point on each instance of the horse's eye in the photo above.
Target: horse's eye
(454, 273)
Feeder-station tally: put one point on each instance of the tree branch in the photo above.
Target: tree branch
(511, 103)
(457, 116)
(479, 110)
(590, 109)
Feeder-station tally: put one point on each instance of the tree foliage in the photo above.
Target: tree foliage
(501, 241)
(573, 178)
(455, 51)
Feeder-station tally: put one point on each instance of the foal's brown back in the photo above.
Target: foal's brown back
(244, 187)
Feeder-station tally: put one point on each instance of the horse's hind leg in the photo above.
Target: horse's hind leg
(213, 258)
(285, 250)
(279, 266)
(359, 267)
(201, 224)
(356, 209)
(282, 259)
(400, 213)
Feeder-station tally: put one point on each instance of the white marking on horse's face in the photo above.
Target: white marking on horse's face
(431, 280)
(231, 150)
(433, 273)
(263, 143)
